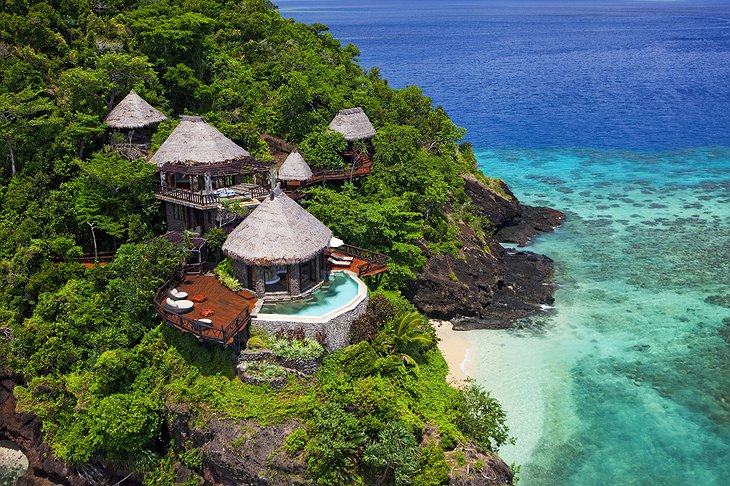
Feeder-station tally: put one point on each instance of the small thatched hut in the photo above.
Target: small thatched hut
(135, 119)
(353, 124)
(278, 248)
(294, 170)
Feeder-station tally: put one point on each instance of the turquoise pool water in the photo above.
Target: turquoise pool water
(343, 288)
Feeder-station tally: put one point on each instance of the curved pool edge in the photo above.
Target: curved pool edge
(362, 292)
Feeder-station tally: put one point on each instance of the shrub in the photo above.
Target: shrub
(335, 446)
(432, 465)
(379, 311)
(359, 359)
(263, 371)
(296, 441)
(323, 148)
(294, 349)
(481, 417)
(393, 453)
(224, 271)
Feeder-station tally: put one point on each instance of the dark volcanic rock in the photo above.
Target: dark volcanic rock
(486, 286)
(532, 221)
(24, 429)
(240, 452)
(477, 469)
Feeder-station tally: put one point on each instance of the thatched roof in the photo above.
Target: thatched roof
(278, 232)
(295, 168)
(134, 112)
(353, 123)
(195, 142)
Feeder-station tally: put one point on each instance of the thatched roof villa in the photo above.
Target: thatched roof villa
(279, 248)
(199, 168)
(196, 142)
(134, 112)
(353, 124)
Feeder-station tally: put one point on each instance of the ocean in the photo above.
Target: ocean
(617, 113)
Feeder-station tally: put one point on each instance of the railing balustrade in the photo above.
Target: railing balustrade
(373, 260)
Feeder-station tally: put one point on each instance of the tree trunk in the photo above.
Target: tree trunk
(12, 156)
(93, 237)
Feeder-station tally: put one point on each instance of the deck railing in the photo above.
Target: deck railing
(184, 195)
(100, 257)
(373, 260)
(223, 336)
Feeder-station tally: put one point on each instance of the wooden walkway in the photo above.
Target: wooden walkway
(361, 167)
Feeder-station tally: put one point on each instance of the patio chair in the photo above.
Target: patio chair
(179, 306)
(175, 294)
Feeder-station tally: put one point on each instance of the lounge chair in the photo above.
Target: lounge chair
(179, 306)
(344, 258)
(202, 324)
(175, 294)
(338, 262)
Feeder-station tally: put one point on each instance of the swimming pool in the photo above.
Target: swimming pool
(342, 292)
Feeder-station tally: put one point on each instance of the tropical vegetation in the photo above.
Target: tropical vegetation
(97, 366)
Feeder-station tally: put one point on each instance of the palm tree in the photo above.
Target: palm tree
(408, 336)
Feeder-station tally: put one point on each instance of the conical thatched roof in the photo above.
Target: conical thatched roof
(295, 168)
(134, 112)
(278, 232)
(353, 123)
(195, 142)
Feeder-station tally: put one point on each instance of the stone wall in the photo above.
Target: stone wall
(337, 330)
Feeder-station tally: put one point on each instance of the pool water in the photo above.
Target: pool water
(343, 290)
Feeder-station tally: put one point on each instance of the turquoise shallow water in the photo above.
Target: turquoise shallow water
(342, 289)
(627, 380)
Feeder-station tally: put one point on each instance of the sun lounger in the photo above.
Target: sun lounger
(175, 294)
(344, 258)
(179, 306)
(202, 324)
(338, 262)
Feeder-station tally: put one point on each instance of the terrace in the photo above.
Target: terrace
(228, 311)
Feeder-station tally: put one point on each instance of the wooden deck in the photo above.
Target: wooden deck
(231, 311)
(364, 262)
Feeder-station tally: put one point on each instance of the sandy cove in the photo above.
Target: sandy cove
(457, 350)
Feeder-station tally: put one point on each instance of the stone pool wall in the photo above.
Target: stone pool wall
(337, 330)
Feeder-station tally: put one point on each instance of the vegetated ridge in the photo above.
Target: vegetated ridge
(94, 388)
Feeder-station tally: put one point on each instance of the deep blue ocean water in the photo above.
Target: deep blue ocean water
(617, 113)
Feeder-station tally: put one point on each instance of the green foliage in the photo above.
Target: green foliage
(432, 465)
(293, 349)
(407, 336)
(263, 371)
(482, 418)
(379, 311)
(224, 271)
(296, 441)
(394, 453)
(215, 238)
(323, 149)
(333, 451)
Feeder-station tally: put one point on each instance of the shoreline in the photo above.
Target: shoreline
(457, 350)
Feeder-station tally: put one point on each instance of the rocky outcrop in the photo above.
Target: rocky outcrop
(473, 468)
(24, 429)
(240, 452)
(486, 285)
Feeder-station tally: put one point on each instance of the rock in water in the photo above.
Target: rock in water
(485, 286)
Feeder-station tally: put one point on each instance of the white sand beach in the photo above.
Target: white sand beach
(457, 350)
